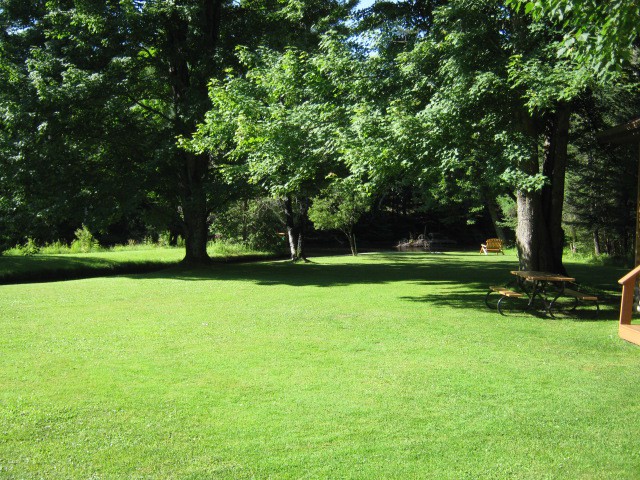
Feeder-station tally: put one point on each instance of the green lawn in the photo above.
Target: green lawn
(383, 366)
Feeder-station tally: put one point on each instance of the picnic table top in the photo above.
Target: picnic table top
(534, 276)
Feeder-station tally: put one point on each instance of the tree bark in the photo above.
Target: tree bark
(539, 221)
(554, 168)
(193, 172)
(194, 208)
(291, 227)
(596, 243)
(532, 236)
(352, 241)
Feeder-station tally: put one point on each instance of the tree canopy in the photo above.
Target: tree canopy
(126, 115)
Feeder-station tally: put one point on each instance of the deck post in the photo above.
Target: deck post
(626, 303)
(637, 242)
(627, 134)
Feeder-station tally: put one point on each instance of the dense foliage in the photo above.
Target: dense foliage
(135, 118)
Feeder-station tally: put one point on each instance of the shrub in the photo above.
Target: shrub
(55, 248)
(84, 242)
(339, 207)
(30, 247)
(13, 251)
(164, 239)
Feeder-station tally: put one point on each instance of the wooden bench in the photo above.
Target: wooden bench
(492, 245)
(504, 293)
(581, 297)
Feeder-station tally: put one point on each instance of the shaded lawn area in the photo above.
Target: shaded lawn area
(38, 268)
(14, 269)
(384, 366)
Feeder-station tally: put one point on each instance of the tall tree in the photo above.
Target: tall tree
(498, 114)
(63, 165)
(278, 122)
(150, 61)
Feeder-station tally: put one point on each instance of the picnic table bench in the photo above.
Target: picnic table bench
(504, 293)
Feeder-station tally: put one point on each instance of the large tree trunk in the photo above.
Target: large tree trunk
(195, 209)
(532, 236)
(193, 168)
(539, 233)
(554, 168)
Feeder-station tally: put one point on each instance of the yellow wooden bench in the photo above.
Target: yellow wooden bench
(492, 245)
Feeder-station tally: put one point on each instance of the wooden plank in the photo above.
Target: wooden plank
(637, 242)
(506, 292)
(579, 295)
(626, 303)
(630, 275)
(541, 276)
(630, 333)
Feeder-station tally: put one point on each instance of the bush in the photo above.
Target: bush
(29, 248)
(164, 239)
(84, 242)
(339, 207)
(56, 248)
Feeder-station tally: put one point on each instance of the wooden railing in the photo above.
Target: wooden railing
(627, 331)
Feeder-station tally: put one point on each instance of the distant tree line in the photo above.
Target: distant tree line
(130, 116)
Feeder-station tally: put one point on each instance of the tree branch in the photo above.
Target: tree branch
(151, 109)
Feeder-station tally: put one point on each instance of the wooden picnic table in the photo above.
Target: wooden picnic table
(542, 285)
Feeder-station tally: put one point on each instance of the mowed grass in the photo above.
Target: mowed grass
(381, 366)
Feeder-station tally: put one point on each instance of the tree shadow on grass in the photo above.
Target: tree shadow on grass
(457, 269)
(55, 268)
(49, 268)
(442, 270)
(471, 299)
(454, 281)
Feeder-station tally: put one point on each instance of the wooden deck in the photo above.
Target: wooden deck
(630, 333)
(626, 330)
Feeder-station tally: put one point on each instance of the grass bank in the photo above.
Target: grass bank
(381, 366)
(122, 260)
